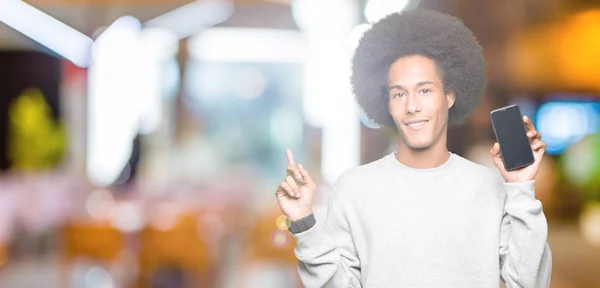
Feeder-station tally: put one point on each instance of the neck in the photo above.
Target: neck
(430, 157)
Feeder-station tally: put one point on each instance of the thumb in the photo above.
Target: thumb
(495, 153)
(495, 150)
(307, 179)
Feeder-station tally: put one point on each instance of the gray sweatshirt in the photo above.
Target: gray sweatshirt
(456, 225)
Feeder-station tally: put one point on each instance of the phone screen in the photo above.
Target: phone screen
(512, 136)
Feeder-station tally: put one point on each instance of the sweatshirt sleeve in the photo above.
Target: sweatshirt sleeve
(525, 257)
(326, 253)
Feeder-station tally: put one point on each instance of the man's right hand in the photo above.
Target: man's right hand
(297, 192)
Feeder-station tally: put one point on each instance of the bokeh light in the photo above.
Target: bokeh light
(590, 224)
(100, 204)
(581, 165)
(128, 217)
(563, 123)
(280, 239)
(283, 223)
(98, 278)
(378, 9)
(165, 216)
(286, 127)
(250, 83)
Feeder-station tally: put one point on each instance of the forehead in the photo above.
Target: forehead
(409, 70)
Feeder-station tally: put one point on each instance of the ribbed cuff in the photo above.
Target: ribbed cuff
(520, 189)
(520, 197)
(303, 224)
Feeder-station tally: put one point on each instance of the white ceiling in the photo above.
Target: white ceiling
(88, 18)
(85, 18)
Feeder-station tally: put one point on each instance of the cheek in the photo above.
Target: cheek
(393, 107)
(436, 107)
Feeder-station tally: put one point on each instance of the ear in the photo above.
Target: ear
(451, 98)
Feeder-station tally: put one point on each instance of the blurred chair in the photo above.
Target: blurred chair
(268, 257)
(169, 253)
(268, 243)
(91, 240)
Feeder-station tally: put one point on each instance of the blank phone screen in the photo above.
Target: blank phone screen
(512, 137)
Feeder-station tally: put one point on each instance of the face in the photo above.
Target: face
(417, 101)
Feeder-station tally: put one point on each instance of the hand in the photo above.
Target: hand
(526, 173)
(297, 192)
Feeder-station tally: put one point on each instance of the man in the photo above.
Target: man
(421, 216)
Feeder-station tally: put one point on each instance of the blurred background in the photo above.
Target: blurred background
(142, 141)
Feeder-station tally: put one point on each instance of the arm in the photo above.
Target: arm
(525, 257)
(326, 253)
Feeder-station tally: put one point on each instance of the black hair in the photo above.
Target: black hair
(440, 37)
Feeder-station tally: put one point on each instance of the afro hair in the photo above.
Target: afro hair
(437, 36)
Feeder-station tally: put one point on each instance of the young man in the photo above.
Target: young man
(421, 216)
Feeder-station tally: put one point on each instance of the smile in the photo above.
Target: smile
(416, 125)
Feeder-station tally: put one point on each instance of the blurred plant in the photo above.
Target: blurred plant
(36, 141)
(581, 165)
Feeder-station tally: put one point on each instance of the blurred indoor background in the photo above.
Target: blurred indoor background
(142, 141)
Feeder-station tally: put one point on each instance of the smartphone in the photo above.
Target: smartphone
(511, 134)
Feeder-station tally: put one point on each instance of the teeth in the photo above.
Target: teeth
(416, 124)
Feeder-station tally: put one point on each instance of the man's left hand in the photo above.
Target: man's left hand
(527, 173)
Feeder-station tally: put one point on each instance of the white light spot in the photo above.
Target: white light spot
(128, 217)
(98, 278)
(165, 217)
(250, 83)
(376, 10)
(100, 204)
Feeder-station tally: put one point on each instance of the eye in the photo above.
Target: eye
(426, 91)
(398, 95)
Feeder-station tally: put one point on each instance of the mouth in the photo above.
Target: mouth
(416, 124)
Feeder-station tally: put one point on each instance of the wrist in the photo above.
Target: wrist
(518, 181)
(300, 216)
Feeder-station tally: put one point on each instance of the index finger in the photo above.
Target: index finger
(290, 157)
(528, 124)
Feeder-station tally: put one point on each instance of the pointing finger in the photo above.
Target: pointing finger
(290, 157)
(292, 170)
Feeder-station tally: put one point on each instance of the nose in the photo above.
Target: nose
(413, 104)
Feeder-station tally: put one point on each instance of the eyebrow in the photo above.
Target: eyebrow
(418, 85)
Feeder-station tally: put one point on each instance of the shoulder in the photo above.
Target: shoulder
(489, 176)
(355, 178)
(365, 172)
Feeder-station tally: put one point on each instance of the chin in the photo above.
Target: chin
(419, 147)
(417, 142)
